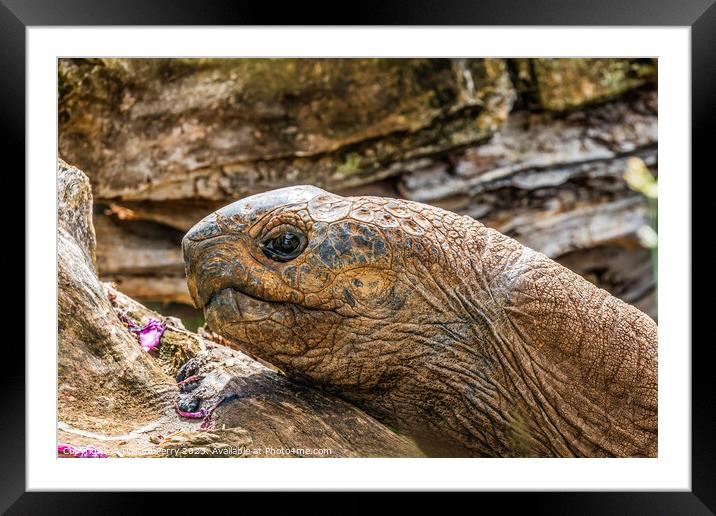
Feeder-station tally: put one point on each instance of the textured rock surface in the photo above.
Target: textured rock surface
(532, 147)
(163, 129)
(115, 396)
(569, 83)
(554, 182)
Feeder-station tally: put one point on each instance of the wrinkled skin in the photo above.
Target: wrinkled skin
(451, 332)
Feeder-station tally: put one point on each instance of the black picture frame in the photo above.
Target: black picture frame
(700, 15)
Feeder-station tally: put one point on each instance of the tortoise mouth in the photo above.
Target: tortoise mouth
(235, 315)
(232, 305)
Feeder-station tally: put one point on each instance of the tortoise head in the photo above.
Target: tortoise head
(318, 284)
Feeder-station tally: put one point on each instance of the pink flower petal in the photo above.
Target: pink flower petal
(203, 414)
(150, 335)
(200, 414)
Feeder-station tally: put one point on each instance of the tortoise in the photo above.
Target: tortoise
(448, 331)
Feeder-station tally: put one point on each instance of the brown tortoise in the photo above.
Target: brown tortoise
(447, 330)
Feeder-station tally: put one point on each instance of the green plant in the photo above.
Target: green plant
(640, 179)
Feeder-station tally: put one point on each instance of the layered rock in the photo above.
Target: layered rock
(533, 147)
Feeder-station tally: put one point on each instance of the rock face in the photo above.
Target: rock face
(570, 83)
(533, 147)
(120, 399)
(160, 129)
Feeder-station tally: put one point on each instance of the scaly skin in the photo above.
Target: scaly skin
(449, 331)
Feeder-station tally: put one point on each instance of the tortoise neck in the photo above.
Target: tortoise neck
(578, 365)
(533, 361)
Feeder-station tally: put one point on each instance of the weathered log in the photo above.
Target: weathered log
(142, 258)
(121, 399)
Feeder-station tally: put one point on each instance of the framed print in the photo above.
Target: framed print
(421, 257)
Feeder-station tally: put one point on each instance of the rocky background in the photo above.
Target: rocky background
(536, 148)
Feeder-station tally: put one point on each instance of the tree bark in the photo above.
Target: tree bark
(121, 399)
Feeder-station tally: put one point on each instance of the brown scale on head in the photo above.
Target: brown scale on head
(426, 319)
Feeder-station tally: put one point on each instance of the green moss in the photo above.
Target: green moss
(564, 84)
(350, 165)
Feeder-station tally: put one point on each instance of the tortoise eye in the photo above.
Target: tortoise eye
(284, 246)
